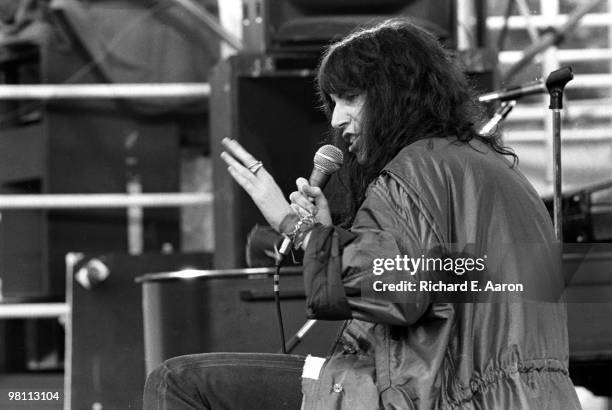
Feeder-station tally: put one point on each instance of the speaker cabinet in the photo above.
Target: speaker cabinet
(105, 361)
(81, 146)
(273, 113)
(299, 25)
(589, 308)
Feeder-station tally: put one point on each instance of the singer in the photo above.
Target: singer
(418, 177)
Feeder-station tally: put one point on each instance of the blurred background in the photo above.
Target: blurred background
(122, 237)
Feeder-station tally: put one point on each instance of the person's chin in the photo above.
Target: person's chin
(358, 151)
(361, 158)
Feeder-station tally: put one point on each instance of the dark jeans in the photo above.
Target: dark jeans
(233, 381)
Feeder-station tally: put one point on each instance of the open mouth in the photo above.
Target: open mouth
(353, 141)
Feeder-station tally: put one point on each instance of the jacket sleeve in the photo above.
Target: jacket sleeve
(339, 274)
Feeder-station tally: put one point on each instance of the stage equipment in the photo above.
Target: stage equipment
(229, 310)
(327, 160)
(514, 93)
(308, 25)
(500, 114)
(587, 213)
(589, 308)
(555, 83)
(96, 157)
(268, 104)
(105, 359)
(103, 131)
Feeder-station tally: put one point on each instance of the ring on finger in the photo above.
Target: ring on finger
(250, 164)
(254, 167)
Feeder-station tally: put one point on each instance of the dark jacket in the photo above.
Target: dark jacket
(426, 349)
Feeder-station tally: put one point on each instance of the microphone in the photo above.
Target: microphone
(327, 160)
(513, 93)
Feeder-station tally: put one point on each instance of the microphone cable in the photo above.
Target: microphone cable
(327, 160)
(285, 247)
(279, 313)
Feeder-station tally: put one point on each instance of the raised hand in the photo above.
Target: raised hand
(257, 182)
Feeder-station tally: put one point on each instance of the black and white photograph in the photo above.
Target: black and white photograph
(305, 204)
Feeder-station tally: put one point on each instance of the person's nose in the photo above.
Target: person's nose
(339, 118)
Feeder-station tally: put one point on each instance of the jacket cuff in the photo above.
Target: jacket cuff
(325, 295)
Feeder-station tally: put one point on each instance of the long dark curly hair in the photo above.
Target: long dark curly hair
(414, 89)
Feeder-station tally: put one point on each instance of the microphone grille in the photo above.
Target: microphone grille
(328, 159)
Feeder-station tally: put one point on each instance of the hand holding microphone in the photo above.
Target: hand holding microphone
(309, 198)
(268, 197)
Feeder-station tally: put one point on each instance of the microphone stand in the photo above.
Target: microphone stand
(555, 83)
(500, 114)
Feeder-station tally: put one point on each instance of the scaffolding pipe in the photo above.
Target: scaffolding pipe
(33, 310)
(550, 38)
(79, 201)
(211, 22)
(136, 90)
